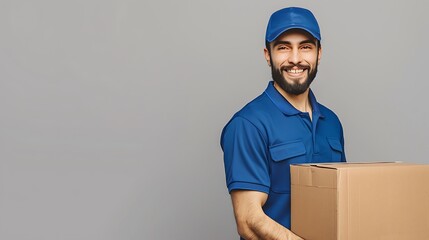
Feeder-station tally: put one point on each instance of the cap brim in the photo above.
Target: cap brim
(277, 34)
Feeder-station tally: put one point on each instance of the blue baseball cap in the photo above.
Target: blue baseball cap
(291, 18)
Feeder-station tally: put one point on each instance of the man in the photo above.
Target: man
(284, 125)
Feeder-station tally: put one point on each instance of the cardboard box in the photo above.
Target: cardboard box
(356, 201)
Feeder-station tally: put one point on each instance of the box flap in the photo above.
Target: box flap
(326, 175)
(338, 165)
(313, 176)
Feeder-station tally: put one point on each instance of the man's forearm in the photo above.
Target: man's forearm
(252, 222)
(265, 228)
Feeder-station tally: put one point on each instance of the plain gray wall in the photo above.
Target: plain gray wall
(111, 110)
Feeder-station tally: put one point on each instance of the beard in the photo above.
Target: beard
(293, 88)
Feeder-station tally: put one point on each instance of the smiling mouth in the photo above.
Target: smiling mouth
(295, 70)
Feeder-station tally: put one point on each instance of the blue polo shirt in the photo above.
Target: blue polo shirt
(266, 136)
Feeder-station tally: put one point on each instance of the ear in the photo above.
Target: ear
(267, 56)
(319, 55)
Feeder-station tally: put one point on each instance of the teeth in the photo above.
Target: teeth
(295, 70)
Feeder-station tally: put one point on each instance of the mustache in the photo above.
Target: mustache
(289, 67)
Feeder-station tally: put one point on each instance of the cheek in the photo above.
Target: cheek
(278, 60)
(312, 59)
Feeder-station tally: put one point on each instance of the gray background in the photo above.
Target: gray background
(111, 110)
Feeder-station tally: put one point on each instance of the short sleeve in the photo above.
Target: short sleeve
(245, 156)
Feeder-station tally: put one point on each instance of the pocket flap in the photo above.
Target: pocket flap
(287, 150)
(335, 144)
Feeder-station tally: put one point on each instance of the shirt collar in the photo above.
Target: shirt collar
(285, 106)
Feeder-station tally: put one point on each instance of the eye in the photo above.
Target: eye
(306, 47)
(282, 48)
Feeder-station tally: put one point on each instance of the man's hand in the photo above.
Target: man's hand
(252, 222)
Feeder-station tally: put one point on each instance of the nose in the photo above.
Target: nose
(295, 56)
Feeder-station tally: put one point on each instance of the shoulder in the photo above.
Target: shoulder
(258, 112)
(259, 109)
(252, 118)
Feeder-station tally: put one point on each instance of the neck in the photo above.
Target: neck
(301, 102)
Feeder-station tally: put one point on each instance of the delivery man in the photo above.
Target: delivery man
(284, 125)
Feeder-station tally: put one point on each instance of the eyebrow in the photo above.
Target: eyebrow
(289, 43)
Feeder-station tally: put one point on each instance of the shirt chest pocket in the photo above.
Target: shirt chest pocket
(282, 155)
(336, 149)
